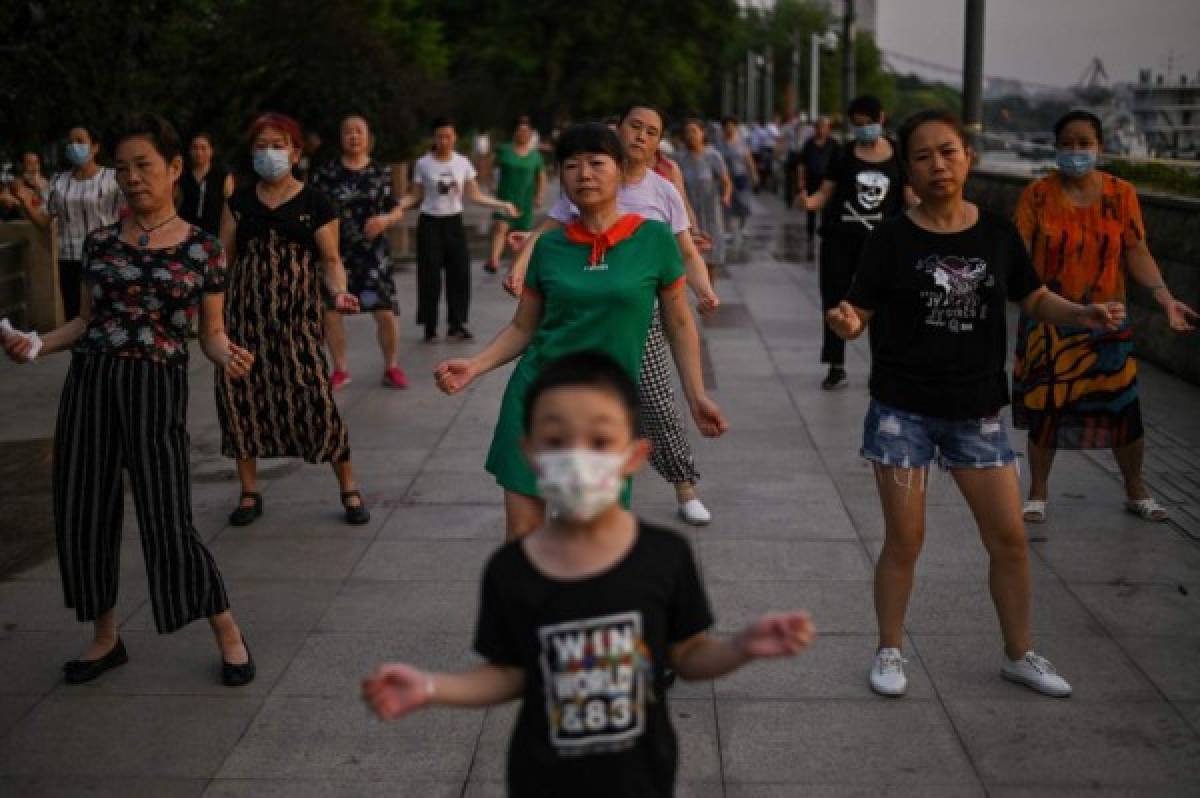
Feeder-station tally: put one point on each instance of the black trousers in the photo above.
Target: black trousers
(790, 183)
(442, 246)
(128, 413)
(838, 260)
(70, 275)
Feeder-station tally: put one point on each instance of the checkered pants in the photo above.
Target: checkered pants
(658, 419)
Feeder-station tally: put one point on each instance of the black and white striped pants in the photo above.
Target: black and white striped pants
(129, 413)
(658, 418)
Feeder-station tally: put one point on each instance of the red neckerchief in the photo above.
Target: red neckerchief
(620, 230)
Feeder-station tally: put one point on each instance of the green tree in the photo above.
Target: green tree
(555, 61)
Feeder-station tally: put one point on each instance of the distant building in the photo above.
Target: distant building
(1168, 113)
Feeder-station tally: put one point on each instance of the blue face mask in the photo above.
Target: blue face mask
(868, 134)
(78, 153)
(1075, 163)
(272, 164)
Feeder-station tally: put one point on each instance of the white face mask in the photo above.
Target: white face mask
(579, 484)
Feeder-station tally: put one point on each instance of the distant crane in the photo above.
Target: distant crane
(1094, 86)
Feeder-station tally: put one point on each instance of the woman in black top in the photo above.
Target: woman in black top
(933, 285)
(204, 187)
(282, 240)
(862, 187)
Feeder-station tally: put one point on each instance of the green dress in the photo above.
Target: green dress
(518, 183)
(605, 308)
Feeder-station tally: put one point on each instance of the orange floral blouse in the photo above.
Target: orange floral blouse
(1077, 251)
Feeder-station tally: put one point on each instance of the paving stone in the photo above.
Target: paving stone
(1160, 659)
(425, 560)
(1078, 744)
(1127, 610)
(301, 559)
(834, 666)
(865, 742)
(836, 607)
(323, 788)
(334, 738)
(73, 736)
(104, 787)
(396, 608)
(445, 522)
(968, 666)
(744, 561)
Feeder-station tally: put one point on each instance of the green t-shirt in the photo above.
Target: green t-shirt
(605, 308)
(518, 182)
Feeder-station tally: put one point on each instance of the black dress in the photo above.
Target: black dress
(202, 200)
(284, 407)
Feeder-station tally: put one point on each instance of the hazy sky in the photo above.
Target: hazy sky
(1050, 41)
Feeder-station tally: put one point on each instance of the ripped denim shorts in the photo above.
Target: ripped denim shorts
(894, 437)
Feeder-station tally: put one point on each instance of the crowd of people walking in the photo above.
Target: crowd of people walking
(261, 269)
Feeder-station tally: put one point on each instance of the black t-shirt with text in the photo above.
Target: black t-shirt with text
(865, 195)
(938, 336)
(593, 718)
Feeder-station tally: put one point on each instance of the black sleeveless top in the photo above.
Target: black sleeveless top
(202, 200)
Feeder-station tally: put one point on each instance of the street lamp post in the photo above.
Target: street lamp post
(829, 41)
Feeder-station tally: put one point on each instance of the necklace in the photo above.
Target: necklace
(144, 238)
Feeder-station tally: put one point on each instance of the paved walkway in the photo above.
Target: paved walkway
(797, 525)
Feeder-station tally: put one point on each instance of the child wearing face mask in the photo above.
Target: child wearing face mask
(583, 618)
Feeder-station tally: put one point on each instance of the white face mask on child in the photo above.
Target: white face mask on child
(579, 484)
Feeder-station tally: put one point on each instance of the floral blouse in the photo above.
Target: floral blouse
(358, 194)
(144, 300)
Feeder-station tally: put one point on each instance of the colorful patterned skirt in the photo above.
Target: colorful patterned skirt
(1075, 388)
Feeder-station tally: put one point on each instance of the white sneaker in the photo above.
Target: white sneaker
(695, 513)
(887, 673)
(1035, 671)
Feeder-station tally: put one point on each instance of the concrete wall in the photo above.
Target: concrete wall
(1173, 232)
(39, 255)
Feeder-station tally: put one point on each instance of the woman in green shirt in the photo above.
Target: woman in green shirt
(590, 285)
(522, 181)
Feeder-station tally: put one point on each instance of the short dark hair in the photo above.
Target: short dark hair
(91, 132)
(150, 126)
(629, 109)
(866, 104)
(930, 116)
(729, 120)
(589, 138)
(586, 369)
(201, 134)
(441, 122)
(1079, 115)
(524, 119)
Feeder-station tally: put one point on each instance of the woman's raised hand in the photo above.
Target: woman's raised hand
(453, 375)
(17, 347)
(1104, 315)
(1178, 315)
(239, 363)
(708, 417)
(778, 635)
(375, 226)
(346, 302)
(393, 691)
(844, 320)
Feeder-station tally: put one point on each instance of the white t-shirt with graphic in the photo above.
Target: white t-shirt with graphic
(442, 183)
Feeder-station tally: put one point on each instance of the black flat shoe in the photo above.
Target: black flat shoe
(356, 514)
(78, 671)
(836, 378)
(238, 675)
(460, 334)
(247, 515)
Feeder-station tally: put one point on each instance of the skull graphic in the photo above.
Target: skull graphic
(872, 188)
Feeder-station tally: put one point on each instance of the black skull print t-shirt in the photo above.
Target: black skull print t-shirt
(939, 333)
(865, 194)
(593, 719)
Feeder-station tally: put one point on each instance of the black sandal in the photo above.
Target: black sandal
(356, 514)
(247, 515)
(238, 675)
